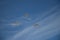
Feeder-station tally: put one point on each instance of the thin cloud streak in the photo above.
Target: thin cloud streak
(45, 34)
(45, 28)
(19, 34)
(41, 22)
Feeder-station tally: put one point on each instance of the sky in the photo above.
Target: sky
(29, 19)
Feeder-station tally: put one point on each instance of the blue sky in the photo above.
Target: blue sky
(15, 26)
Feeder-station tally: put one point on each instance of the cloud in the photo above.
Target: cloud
(19, 34)
(45, 32)
(14, 24)
(40, 30)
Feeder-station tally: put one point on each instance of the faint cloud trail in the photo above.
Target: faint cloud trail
(43, 21)
(45, 31)
(19, 34)
(42, 33)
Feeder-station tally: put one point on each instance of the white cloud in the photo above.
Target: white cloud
(25, 31)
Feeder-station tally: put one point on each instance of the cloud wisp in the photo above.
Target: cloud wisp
(40, 30)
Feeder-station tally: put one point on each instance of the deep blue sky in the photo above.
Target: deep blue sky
(43, 12)
(12, 8)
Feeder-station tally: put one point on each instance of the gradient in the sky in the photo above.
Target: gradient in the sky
(29, 19)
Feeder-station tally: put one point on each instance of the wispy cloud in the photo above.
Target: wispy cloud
(50, 29)
(41, 30)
